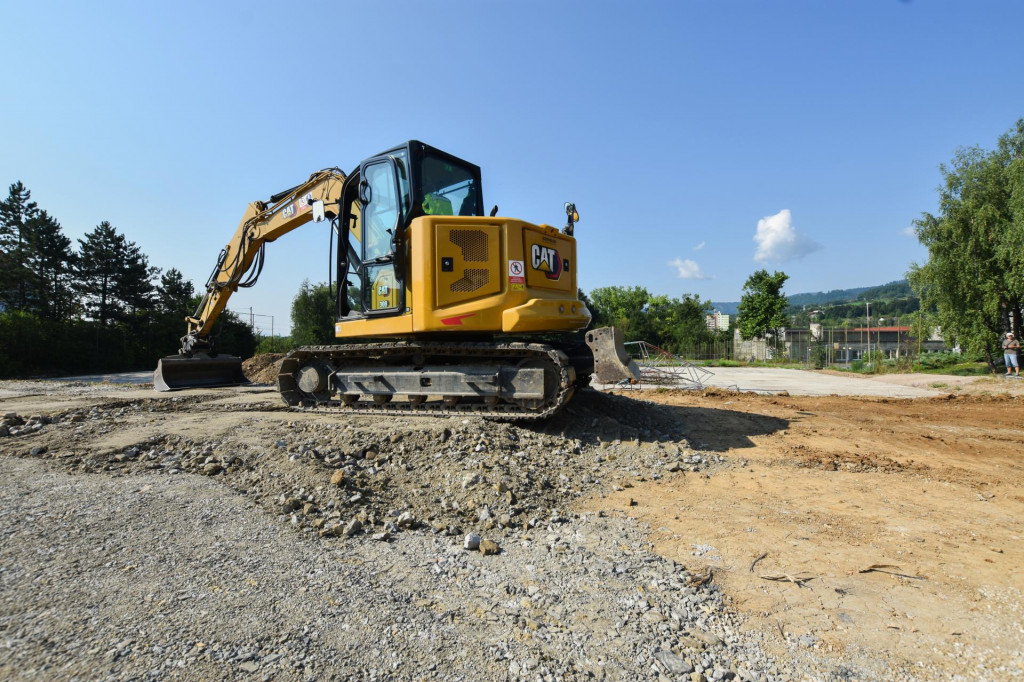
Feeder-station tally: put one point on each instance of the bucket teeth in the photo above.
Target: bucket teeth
(199, 371)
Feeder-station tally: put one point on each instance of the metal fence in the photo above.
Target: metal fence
(718, 350)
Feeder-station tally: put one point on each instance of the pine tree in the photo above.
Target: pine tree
(114, 276)
(15, 246)
(52, 262)
(175, 293)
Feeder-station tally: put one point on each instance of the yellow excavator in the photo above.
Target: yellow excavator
(440, 308)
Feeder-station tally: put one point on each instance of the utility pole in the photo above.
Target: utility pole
(252, 321)
(867, 317)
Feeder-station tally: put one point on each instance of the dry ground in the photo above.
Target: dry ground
(856, 537)
(930, 491)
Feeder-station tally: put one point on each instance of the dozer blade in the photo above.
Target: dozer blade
(611, 363)
(198, 371)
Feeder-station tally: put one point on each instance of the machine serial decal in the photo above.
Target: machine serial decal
(546, 259)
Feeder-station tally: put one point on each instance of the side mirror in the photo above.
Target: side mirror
(318, 212)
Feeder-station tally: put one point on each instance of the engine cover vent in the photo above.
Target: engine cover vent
(473, 244)
(472, 279)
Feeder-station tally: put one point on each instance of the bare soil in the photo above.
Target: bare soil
(883, 526)
(818, 537)
(264, 368)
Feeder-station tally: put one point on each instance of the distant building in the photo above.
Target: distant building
(717, 321)
(845, 344)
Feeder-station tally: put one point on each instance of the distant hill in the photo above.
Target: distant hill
(897, 289)
(726, 307)
(834, 296)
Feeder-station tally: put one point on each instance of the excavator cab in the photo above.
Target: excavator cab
(378, 203)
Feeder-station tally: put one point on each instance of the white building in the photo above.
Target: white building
(717, 321)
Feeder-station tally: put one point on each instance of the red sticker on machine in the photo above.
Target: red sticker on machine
(516, 271)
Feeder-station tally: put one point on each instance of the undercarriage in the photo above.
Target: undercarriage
(497, 380)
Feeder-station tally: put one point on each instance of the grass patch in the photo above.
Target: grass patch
(720, 363)
(960, 369)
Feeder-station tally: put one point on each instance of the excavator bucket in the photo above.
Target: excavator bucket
(611, 362)
(198, 371)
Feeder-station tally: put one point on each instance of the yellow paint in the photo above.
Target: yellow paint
(542, 315)
(484, 301)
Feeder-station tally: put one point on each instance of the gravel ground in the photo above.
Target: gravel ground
(297, 546)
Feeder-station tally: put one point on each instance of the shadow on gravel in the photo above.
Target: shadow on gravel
(593, 417)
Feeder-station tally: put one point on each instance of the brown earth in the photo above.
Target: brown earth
(929, 492)
(263, 369)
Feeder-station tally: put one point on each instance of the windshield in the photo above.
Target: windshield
(448, 188)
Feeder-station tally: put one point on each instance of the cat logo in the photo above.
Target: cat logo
(546, 259)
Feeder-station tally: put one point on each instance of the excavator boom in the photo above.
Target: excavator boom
(238, 265)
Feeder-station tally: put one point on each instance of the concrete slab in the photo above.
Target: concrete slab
(113, 378)
(804, 382)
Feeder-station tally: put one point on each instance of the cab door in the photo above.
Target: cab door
(384, 207)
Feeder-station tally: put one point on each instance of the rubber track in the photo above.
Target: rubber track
(290, 393)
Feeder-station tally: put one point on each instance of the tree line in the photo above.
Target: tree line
(95, 306)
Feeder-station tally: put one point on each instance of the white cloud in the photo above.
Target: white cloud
(908, 231)
(688, 269)
(778, 240)
(700, 246)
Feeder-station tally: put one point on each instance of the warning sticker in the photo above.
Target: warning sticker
(516, 272)
(517, 286)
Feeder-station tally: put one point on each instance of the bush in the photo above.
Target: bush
(945, 359)
(36, 346)
(274, 344)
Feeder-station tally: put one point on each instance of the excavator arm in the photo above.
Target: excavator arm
(239, 265)
(240, 262)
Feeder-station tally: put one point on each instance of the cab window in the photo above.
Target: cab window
(380, 215)
(448, 188)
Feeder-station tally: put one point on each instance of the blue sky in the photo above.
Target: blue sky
(699, 140)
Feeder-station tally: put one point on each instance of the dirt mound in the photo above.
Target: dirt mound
(263, 369)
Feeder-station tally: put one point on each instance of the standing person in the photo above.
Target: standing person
(1010, 348)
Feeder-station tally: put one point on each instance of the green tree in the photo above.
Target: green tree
(625, 308)
(762, 308)
(591, 306)
(175, 299)
(313, 315)
(673, 324)
(678, 324)
(16, 212)
(175, 294)
(233, 336)
(52, 262)
(922, 326)
(974, 276)
(114, 276)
